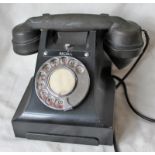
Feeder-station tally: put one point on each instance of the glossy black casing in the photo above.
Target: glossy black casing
(88, 123)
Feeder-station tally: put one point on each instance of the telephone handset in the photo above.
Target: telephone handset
(72, 84)
(123, 39)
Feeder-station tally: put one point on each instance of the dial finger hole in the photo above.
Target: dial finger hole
(41, 78)
(42, 73)
(64, 60)
(72, 63)
(44, 94)
(80, 69)
(50, 101)
(54, 62)
(41, 85)
(58, 104)
(46, 68)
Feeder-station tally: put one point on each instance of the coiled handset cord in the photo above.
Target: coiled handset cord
(121, 81)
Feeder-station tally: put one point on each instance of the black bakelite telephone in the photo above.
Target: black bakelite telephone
(71, 96)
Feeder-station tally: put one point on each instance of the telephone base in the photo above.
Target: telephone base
(26, 126)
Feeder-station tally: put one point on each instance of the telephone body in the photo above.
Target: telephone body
(71, 95)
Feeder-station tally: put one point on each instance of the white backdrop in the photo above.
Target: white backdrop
(133, 133)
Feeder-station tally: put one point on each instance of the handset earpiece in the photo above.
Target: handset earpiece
(123, 42)
(25, 39)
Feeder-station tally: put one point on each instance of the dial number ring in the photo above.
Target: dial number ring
(62, 102)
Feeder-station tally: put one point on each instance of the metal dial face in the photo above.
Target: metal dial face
(62, 82)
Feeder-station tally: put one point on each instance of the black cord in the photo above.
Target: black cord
(121, 81)
(129, 102)
(115, 143)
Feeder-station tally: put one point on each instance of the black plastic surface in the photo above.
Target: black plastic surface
(26, 125)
